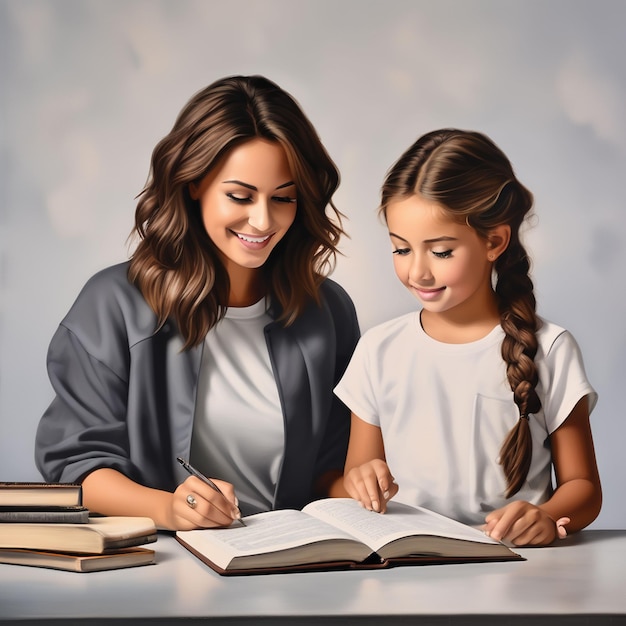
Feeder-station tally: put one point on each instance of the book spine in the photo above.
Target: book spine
(45, 517)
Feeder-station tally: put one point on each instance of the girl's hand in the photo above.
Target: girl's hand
(196, 505)
(371, 484)
(522, 524)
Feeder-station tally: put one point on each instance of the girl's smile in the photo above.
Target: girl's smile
(427, 294)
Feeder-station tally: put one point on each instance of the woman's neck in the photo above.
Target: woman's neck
(247, 286)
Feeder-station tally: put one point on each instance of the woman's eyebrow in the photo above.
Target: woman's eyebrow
(253, 188)
(287, 184)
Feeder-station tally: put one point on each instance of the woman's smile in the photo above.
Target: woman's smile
(253, 242)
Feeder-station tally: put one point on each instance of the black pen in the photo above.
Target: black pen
(207, 481)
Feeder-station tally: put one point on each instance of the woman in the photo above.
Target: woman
(221, 340)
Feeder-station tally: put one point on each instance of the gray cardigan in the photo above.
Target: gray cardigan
(125, 394)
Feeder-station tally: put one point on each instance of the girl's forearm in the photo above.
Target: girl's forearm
(579, 499)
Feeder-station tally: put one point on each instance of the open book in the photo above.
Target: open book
(337, 533)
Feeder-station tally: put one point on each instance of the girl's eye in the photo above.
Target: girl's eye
(401, 251)
(446, 254)
(285, 199)
(237, 197)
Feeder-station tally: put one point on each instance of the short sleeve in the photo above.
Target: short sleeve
(564, 380)
(355, 389)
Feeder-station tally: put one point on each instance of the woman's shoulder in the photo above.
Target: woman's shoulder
(108, 289)
(337, 299)
(334, 292)
(109, 299)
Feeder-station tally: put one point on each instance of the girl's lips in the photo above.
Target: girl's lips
(428, 294)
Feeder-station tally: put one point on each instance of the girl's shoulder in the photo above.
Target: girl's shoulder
(551, 335)
(392, 330)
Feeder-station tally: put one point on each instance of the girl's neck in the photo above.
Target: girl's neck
(457, 326)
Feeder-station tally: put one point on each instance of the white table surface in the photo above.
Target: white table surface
(579, 581)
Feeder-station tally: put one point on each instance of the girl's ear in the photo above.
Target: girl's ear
(498, 241)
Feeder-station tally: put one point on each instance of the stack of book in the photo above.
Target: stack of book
(46, 525)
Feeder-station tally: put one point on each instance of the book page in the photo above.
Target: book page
(400, 520)
(263, 533)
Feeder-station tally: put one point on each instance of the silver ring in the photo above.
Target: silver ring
(191, 501)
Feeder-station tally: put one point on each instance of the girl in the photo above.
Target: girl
(221, 340)
(469, 402)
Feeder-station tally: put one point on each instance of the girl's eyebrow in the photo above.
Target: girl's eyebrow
(434, 240)
(253, 188)
(398, 237)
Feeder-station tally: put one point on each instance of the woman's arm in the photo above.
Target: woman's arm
(578, 495)
(109, 492)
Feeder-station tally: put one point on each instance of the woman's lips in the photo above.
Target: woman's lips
(253, 242)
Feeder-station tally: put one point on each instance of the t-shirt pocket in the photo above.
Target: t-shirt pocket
(492, 419)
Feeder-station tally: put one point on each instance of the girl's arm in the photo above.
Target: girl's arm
(366, 475)
(578, 495)
(109, 492)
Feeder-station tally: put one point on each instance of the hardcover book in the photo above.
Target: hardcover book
(40, 494)
(44, 514)
(338, 533)
(126, 557)
(98, 536)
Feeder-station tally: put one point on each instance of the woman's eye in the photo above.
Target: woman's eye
(284, 199)
(401, 251)
(446, 254)
(237, 197)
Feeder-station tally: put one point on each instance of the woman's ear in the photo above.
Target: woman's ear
(498, 241)
(194, 192)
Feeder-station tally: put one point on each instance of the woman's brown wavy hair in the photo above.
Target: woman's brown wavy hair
(474, 183)
(175, 264)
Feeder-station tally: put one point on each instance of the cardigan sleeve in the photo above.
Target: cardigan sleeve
(85, 427)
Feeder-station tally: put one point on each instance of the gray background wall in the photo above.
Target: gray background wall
(88, 87)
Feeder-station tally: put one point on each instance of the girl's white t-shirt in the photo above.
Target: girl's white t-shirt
(238, 432)
(445, 409)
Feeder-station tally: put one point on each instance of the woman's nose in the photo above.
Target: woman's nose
(259, 215)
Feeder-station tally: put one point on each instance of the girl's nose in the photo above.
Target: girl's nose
(419, 272)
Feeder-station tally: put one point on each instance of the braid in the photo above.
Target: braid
(519, 322)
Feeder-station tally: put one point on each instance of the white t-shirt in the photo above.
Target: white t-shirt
(238, 431)
(445, 410)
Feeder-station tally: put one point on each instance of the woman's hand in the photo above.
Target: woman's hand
(195, 504)
(371, 484)
(522, 524)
